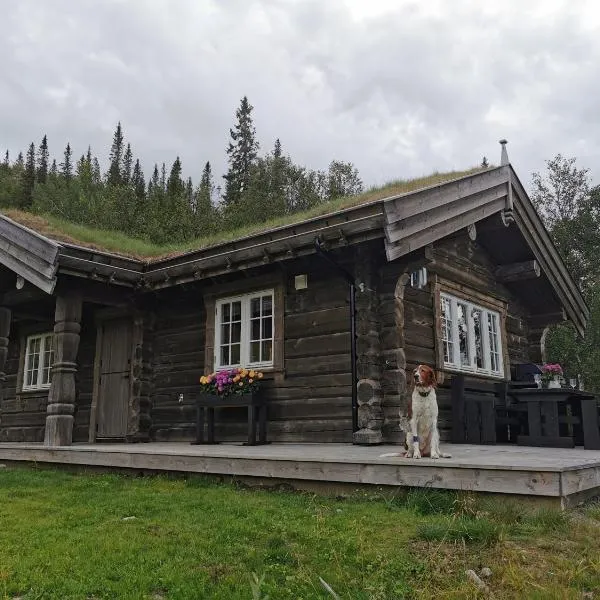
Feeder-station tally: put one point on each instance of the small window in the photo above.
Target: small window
(244, 331)
(39, 357)
(470, 337)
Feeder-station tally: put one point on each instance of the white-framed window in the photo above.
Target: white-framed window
(244, 331)
(39, 357)
(470, 337)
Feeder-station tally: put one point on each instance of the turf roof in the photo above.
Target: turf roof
(119, 243)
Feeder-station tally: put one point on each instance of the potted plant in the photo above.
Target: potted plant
(551, 374)
(229, 382)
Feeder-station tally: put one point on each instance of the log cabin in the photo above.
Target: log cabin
(334, 308)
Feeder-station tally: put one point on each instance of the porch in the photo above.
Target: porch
(559, 475)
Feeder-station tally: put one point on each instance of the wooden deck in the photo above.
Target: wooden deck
(563, 475)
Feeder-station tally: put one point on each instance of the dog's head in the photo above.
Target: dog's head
(424, 377)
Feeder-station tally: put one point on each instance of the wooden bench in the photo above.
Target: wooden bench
(484, 413)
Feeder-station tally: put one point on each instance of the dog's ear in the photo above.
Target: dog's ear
(430, 378)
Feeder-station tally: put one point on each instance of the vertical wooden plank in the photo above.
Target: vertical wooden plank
(488, 422)
(472, 422)
(96, 385)
(591, 424)
(458, 409)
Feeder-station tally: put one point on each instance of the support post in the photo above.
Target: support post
(369, 360)
(63, 392)
(5, 317)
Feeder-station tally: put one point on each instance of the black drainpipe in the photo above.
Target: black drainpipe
(319, 247)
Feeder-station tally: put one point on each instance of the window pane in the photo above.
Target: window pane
(447, 330)
(477, 318)
(224, 355)
(236, 332)
(255, 307)
(225, 334)
(235, 354)
(236, 311)
(267, 328)
(267, 351)
(267, 305)
(463, 334)
(225, 313)
(254, 352)
(255, 329)
(494, 346)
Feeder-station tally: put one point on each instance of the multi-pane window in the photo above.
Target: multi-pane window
(244, 331)
(39, 356)
(470, 337)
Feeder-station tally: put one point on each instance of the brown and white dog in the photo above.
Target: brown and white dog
(422, 435)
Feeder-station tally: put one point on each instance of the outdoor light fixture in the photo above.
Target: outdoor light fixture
(301, 282)
(19, 283)
(418, 278)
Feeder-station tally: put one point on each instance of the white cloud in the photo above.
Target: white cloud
(398, 87)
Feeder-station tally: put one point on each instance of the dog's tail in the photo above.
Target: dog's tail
(445, 455)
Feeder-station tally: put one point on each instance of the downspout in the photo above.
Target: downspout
(319, 247)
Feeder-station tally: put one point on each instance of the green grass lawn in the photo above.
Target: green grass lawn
(68, 535)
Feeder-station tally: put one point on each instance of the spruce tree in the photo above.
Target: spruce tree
(163, 177)
(127, 165)
(66, 167)
(19, 163)
(189, 192)
(241, 152)
(205, 190)
(28, 178)
(53, 169)
(277, 200)
(137, 180)
(175, 185)
(96, 173)
(154, 181)
(6, 159)
(42, 161)
(116, 158)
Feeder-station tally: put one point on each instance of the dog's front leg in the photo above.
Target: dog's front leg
(414, 442)
(435, 442)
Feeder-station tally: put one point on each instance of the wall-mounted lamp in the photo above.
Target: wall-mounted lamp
(20, 283)
(418, 278)
(301, 282)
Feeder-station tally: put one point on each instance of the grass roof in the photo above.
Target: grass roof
(119, 243)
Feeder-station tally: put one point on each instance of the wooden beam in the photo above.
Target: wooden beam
(521, 271)
(432, 234)
(541, 321)
(398, 209)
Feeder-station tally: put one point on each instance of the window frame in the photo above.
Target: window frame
(488, 316)
(245, 330)
(41, 367)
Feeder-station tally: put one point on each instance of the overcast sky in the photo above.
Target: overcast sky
(400, 88)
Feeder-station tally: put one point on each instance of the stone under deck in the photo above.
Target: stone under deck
(565, 476)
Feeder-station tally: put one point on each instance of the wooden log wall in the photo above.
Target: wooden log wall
(463, 262)
(309, 401)
(22, 414)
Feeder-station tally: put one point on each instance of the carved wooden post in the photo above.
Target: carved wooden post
(5, 316)
(369, 360)
(63, 393)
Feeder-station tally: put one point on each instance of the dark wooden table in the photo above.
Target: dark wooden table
(257, 416)
(544, 419)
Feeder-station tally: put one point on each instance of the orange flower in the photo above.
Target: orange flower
(252, 373)
(202, 379)
(236, 379)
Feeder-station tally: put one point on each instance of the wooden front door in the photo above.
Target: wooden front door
(114, 383)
